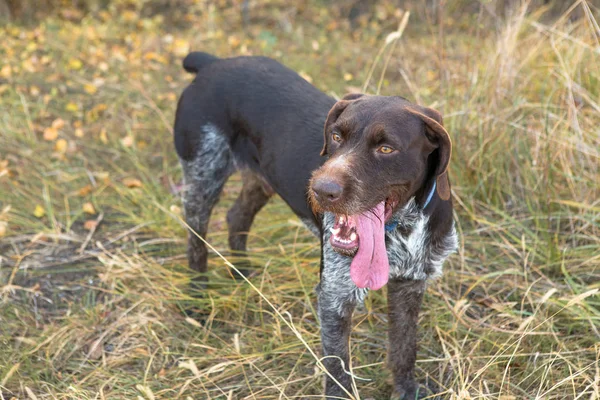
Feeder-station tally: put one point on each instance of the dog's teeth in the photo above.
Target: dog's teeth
(342, 219)
(353, 236)
(335, 231)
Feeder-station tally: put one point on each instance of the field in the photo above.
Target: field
(93, 275)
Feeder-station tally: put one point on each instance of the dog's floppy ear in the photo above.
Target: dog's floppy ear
(353, 96)
(438, 135)
(334, 113)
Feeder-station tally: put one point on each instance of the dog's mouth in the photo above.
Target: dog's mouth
(362, 236)
(344, 237)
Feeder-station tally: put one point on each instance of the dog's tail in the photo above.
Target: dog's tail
(196, 60)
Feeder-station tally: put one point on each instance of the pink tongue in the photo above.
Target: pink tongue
(370, 266)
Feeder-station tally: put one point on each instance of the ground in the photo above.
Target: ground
(93, 276)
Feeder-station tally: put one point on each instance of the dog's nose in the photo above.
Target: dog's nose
(327, 189)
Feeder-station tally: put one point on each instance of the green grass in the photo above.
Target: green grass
(98, 316)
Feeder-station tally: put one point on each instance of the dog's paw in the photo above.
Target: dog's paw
(413, 391)
(409, 391)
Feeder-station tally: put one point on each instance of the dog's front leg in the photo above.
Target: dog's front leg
(335, 315)
(337, 297)
(404, 303)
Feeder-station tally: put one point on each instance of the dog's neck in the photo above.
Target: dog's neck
(395, 220)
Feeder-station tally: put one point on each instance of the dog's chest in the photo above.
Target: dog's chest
(411, 253)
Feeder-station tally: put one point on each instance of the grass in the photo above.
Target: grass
(93, 276)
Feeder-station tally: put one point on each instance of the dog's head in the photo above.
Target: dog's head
(381, 152)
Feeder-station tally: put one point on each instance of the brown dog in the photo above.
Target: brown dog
(375, 190)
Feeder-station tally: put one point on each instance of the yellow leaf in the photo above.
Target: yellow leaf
(50, 134)
(79, 132)
(132, 182)
(234, 41)
(348, 77)
(90, 89)
(6, 72)
(127, 141)
(3, 228)
(39, 211)
(104, 177)
(61, 146)
(4, 168)
(75, 64)
(181, 47)
(88, 208)
(103, 136)
(34, 90)
(58, 123)
(129, 16)
(72, 107)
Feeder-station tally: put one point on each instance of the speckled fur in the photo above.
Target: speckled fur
(411, 252)
(204, 177)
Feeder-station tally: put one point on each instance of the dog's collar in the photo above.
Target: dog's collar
(390, 226)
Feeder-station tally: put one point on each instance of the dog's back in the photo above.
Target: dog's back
(262, 108)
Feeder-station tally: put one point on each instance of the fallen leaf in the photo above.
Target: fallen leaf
(181, 47)
(79, 132)
(61, 146)
(132, 182)
(234, 41)
(3, 228)
(84, 191)
(75, 64)
(4, 168)
(348, 77)
(58, 123)
(127, 141)
(50, 134)
(90, 89)
(90, 224)
(39, 211)
(72, 107)
(88, 208)
(103, 136)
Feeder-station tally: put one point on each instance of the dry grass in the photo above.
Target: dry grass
(96, 314)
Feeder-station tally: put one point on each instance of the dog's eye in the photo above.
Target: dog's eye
(336, 137)
(385, 149)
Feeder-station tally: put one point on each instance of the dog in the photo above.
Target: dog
(368, 175)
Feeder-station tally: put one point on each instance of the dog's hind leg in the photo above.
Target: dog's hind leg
(254, 195)
(205, 174)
